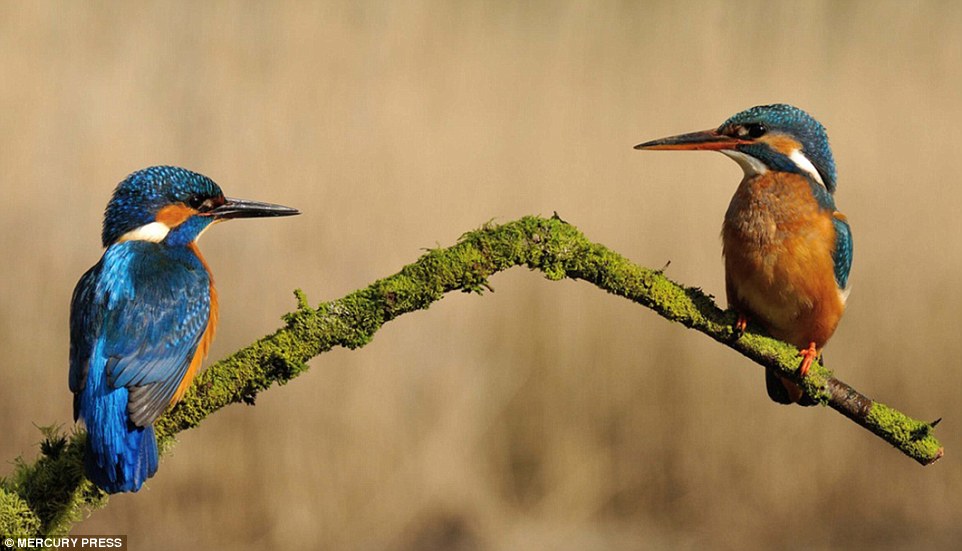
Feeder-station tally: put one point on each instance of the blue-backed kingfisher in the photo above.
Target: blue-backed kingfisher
(787, 250)
(142, 319)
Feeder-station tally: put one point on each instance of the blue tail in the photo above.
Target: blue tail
(119, 455)
(127, 468)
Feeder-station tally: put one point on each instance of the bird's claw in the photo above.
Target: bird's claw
(740, 325)
(809, 354)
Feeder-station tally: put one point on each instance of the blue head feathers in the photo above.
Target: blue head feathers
(795, 123)
(138, 199)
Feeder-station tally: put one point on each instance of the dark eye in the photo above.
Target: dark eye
(205, 203)
(201, 203)
(198, 203)
(755, 130)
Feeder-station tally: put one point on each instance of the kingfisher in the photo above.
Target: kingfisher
(787, 249)
(142, 319)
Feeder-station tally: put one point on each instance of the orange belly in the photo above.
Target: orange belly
(779, 269)
(796, 301)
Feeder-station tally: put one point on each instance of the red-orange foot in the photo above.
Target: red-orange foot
(809, 354)
(741, 325)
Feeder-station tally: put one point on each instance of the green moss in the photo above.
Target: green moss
(53, 492)
(16, 516)
(914, 438)
(53, 485)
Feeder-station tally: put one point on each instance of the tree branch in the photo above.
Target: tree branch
(50, 494)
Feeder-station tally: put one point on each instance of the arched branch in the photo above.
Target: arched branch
(51, 493)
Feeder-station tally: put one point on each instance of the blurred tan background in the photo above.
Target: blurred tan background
(544, 415)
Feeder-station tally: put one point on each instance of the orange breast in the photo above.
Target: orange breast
(204, 345)
(779, 270)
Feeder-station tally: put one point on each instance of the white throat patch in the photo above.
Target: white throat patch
(749, 164)
(754, 167)
(155, 232)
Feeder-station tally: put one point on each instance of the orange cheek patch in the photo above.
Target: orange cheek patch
(782, 143)
(175, 215)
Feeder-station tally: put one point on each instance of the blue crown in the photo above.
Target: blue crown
(801, 126)
(137, 199)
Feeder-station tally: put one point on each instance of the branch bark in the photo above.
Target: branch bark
(50, 494)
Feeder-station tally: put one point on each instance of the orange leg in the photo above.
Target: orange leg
(741, 324)
(809, 354)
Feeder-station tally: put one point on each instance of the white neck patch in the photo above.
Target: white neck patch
(802, 162)
(749, 164)
(754, 167)
(155, 232)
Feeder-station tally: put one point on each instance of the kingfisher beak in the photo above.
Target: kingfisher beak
(242, 208)
(708, 140)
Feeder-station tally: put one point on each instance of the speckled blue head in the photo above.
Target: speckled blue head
(140, 197)
(778, 138)
(173, 206)
(794, 123)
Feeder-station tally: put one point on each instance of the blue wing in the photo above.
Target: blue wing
(843, 250)
(147, 305)
(84, 321)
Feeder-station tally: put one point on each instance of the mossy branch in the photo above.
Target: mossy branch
(50, 494)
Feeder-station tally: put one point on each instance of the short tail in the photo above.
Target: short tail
(784, 391)
(120, 462)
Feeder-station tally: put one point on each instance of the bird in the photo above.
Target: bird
(787, 249)
(142, 319)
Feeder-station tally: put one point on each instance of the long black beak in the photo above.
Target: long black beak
(710, 140)
(242, 208)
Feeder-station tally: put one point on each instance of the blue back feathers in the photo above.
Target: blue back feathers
(794, 122)
(843, 251)
(137, 199)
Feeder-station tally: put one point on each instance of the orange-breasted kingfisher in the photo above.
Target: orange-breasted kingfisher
(142, 319)
(787, 250)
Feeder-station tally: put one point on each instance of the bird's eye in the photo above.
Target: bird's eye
(755, 130)
(204, 204)
(198, 203)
